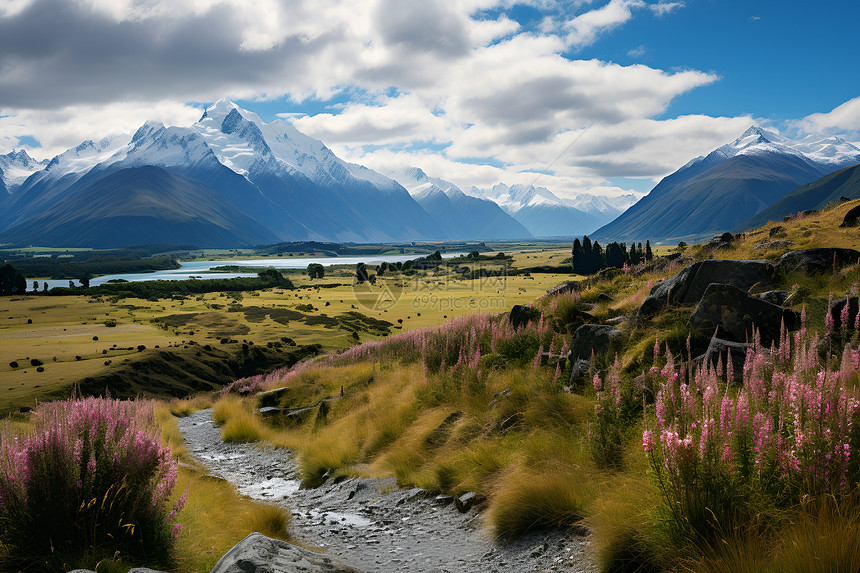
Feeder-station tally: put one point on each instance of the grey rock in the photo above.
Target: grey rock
(836, 308)
(812, 261)
(467, 501)
(522, 314)
(260, 554)
(852, 218)
(616, 320)
(588, 337)
(688, 286)
(579, 372)
(777, 297)
(562, 288)
(719, 351)
(735, 313)
(774, 245)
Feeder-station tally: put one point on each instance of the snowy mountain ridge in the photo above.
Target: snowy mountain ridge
(16, 167)
(834, 152)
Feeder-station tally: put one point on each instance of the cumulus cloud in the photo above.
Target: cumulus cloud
(843, 119)
(585, 28)
(470, 87)
(64, 127)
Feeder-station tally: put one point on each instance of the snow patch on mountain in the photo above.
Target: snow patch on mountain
(240, 138)
(16, 167)
(829, 152)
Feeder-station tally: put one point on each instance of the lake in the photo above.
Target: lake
(198, 269)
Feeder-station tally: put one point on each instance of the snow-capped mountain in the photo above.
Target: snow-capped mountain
(540, 211)
(600, 205)
(720, 191)
(15, 167)
(288, 184)
(462, 215)
(822, 151)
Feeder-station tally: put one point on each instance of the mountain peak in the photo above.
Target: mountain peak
(220, 109)
(148, 128)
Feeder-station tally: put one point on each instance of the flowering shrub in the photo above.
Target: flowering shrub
(790, 433)
(454, 347)
(92, 478)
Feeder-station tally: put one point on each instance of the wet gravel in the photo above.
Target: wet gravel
(375, 526)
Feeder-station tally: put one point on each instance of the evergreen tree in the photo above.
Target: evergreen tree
(361, 273)
(576, 255)
(648, 254)
(11, 281)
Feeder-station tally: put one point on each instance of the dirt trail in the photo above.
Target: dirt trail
(375, 526)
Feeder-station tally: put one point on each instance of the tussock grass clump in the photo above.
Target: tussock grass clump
(238, 422)
(270, 520)
(217, 517)
(526, 500)
(188, 406)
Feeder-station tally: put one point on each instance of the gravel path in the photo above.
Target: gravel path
(375, 526)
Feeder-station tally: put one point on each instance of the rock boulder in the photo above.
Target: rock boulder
(260, 554)
(588, 337)
(734, 313)
(521, 314)
(720, 351)
(812, 261)
(688, 286)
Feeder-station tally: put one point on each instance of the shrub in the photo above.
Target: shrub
(36, 362)
(789, 434)
(13, 364)
(40, 369)
(110, 323)
(93, 477)
(528, 501)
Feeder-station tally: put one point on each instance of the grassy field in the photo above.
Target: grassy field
(76, 337)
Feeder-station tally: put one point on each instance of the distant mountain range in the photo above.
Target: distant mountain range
(461, 215)
(728, 187)
(232, 179)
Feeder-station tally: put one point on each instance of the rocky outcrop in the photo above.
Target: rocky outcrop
(260, 554)
(521, 314)
(592, 337)
(812, 261)
(852, 218)
(579, 371)
(688, 286)
(777, 297)
(733, 314)
(721, 351)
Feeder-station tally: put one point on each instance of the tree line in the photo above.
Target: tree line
(590, 257)
(11, 280)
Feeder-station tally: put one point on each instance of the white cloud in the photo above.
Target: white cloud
(637, 52)
(585, 28)
(478, 88)
(664, 8)
(844, 119)
(60, 129)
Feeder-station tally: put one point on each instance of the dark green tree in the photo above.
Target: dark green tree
(648, 254)
(316, 271)
(361, 273)
(11, 281)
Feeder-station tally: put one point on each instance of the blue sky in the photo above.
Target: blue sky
(601, 96)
